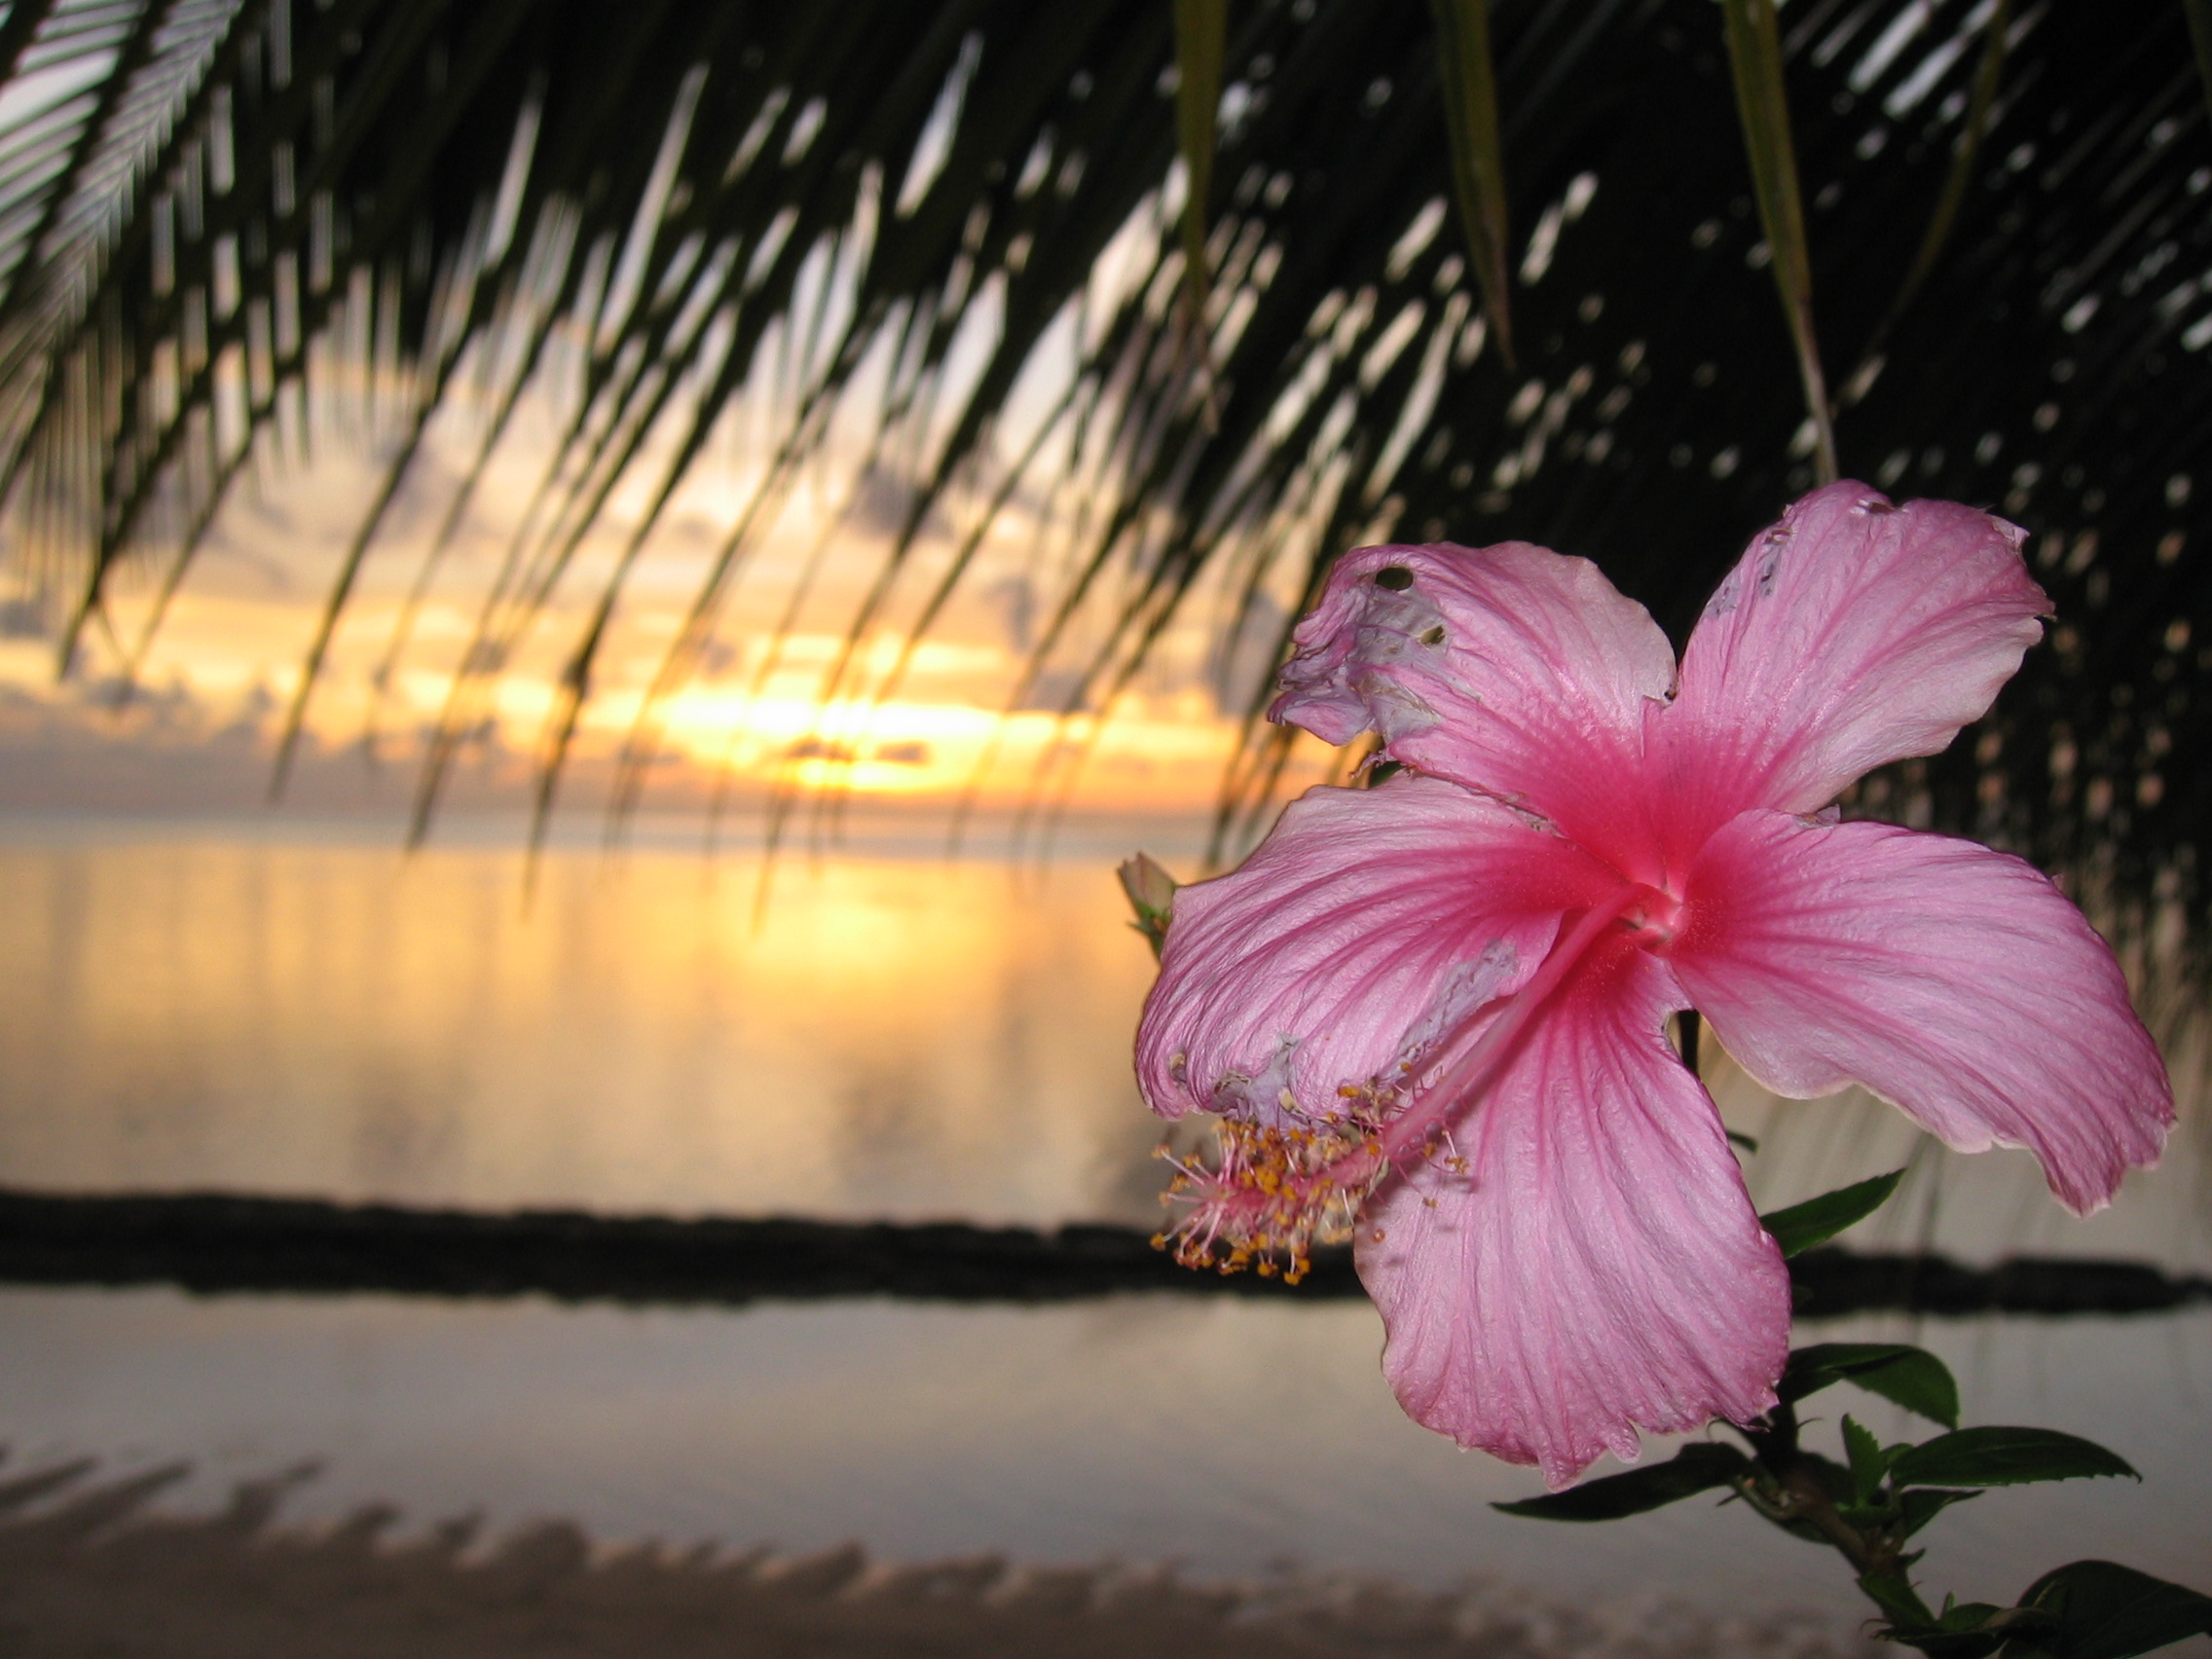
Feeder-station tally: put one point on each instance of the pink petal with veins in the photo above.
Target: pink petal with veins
(1958, 982)
(1512, 670)
(1486, 952)
(1851, 634)
(1595, 1265)
(1368, 925)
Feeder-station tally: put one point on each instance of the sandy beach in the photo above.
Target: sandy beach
(92, 1565)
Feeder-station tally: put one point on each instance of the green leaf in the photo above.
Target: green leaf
(2004, 1457)
(1923, 1504)
(1939, 1644)
(1967, 1615)
(1815, 1220)
(1867, 1465)
(1962, 1630)
(1695, 1468)
(1910, 1376)
(1478, 157)
(1895, 1596)
(2103, 1611)
(1971, 1630)
(1754, 55)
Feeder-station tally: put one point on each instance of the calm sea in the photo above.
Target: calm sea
(893, 1033)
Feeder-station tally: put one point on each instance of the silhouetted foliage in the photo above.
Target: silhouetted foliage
(245, 223)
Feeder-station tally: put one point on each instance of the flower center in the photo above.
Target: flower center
(1654, 917)
(1272, 1194)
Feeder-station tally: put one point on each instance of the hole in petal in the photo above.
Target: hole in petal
(1396, 578)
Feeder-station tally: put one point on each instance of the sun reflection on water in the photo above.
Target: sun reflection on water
(884, 1031)
(890, 1035)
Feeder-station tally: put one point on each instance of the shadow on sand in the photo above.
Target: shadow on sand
(91, 1566)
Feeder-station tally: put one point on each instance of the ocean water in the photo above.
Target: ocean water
(894, 1033)
(883, 1032)
(1232, 1439)
(890, 1033)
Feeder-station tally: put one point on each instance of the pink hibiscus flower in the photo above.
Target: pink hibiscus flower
(1433, 1013)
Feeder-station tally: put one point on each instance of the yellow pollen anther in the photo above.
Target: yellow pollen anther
(1273, 1194)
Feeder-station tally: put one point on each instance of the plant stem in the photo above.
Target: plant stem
(1787, 1489)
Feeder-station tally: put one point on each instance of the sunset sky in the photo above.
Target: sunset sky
(223, 664)
(214, 679)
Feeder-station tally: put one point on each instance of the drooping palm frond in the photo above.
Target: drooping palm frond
(1466, 73)
(954, 230)
(1762, 102)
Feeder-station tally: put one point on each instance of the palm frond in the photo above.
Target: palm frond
(1755, 54)
(923, 262)
(2201, 36)
(1465, 63)
(1965, 154)
(1202, 38)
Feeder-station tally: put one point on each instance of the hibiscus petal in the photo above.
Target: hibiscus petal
(1851, 634)
(1365, 927)
(1512, 670)
(1595, 1266)
(1956, 982)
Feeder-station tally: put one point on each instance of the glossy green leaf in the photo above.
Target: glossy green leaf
(1995, 1455)
(1863, 1453)
(1697, 1467)
(1896, 1597)
(1815, 1220)
(1962, 1629)
(1968, 1630)
(1762, 104)
(2103, 1611)
(1966, 1615)
(1922, 1504)
(1469, 88)
(1910, 1376)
